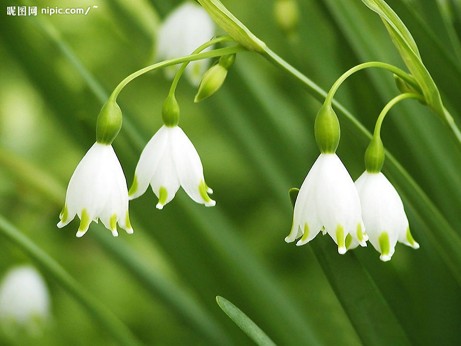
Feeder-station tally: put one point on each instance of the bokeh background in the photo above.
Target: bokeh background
(255, 139)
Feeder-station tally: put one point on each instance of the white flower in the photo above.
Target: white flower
(328, 202)
(383, 214)
(168, 161)
(97, 189)
(184, 30)
(24, 300)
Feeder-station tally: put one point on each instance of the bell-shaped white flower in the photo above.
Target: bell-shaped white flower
(24, 300)
(185, 29)
(328, 202)
(383, 214)
(169, 161)
(97, 190)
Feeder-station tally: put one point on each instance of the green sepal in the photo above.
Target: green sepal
(327, 130)
(109, 122)
(374, 155)
(293, 192)
(170, 111)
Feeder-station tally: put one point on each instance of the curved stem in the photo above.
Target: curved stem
(388, 107)
(181, 70)
(210, 54)
(377, 64)
(111, 323)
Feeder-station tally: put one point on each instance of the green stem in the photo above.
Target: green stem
(181, 70)
(106, 318)
(376, 64)
(210, 54)
(388, 107)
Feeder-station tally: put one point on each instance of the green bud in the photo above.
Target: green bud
(326, 128)
(211, 82)
(404, 87)
(109, 122)
(374, 156)
(170, 111)
(214, 78)
(286, 14)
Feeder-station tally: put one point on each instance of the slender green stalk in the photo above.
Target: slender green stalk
(391, 104)
(112, 324)
(205, 55)
(181, 70)
(376, 64)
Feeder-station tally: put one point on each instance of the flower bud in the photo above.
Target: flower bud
(286, 15)
(170, 111)
(109, 122)
(214, 78)
(327, 131)
(374, 156)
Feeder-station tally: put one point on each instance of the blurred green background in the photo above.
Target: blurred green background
(255, 139)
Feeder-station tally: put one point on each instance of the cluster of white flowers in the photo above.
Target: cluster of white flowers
(328, 201)
(97, 189)
(351, 214)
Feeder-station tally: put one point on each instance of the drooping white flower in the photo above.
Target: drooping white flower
(185, 29)
(169, 161)
(328, 202)
(97, 190)
(383, 214)
(24, 300)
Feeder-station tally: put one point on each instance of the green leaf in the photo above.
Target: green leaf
(369, 313)
(244, 322)
(409, 53)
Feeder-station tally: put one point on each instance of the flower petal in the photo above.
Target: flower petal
(149, 162)
(189, 167)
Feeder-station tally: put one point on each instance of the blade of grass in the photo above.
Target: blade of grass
(244, 322)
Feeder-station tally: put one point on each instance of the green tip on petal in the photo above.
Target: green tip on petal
(134, 187)
(361, 236)
(303, 239)
(385, 246)
(64, 215)
(411, 241)
(128, 227)
(162, 197)
(348, 241)
(341, 240)
(113, 225)
(84, 223)
(203, 190)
